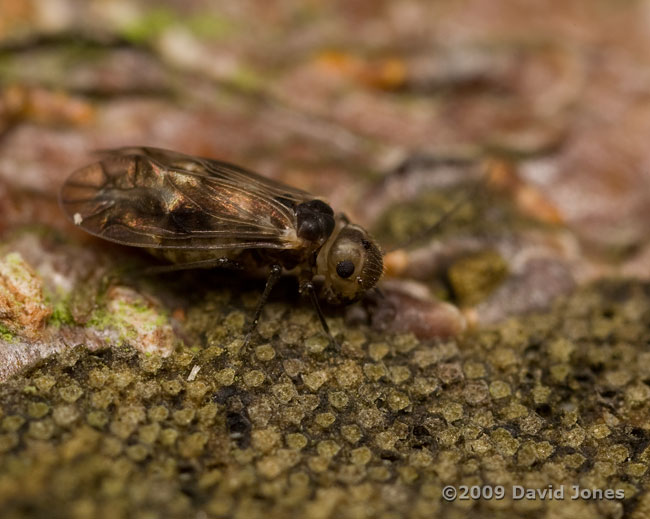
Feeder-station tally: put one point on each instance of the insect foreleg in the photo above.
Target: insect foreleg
(276, 272)
(309, 288)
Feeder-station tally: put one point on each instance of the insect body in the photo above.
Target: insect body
(199, 212)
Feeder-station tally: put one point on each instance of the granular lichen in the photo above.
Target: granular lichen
(135, 320)
(388, 428)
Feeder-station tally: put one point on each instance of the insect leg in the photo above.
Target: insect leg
(276, 272)
(309, 287)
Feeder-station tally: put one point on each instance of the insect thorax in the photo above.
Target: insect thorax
(315, 221)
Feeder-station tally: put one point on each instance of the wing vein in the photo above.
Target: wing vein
(149, 197)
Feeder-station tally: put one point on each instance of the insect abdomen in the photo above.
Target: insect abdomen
(182, 256)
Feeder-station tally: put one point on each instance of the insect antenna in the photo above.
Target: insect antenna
(429, 231)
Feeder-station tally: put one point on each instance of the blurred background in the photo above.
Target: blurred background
(335, 96)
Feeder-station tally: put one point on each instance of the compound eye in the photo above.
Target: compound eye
(345, 268)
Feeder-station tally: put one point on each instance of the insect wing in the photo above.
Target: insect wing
(149, 197)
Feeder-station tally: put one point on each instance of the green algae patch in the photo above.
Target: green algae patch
(150, 25)
(247, 79)
(154, 22)
(61, 315)
(135, 321)
(473, 277)
(6, 334)
(61, 312)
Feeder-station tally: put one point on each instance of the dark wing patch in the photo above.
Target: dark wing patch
(149, 197)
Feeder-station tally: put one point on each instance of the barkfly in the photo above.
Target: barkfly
(203, 213)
